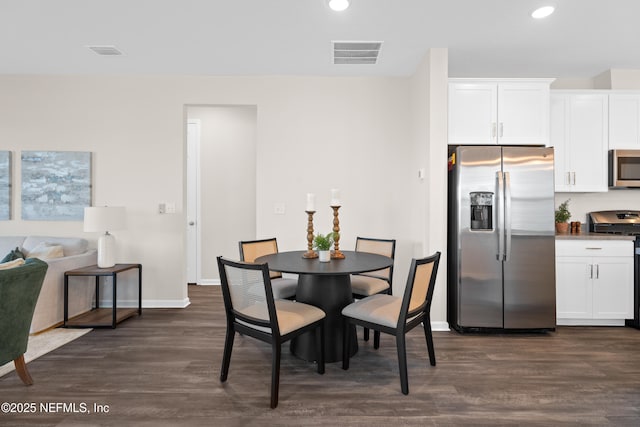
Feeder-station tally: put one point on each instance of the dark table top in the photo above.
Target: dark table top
(354, 262)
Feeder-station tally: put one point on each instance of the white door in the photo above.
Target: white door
(588, 135)
(574, 288)
(193, 207)
(523, 114)
(613, 288)
(560, 142)
(624, 121)
(579, 128)
(473, 110)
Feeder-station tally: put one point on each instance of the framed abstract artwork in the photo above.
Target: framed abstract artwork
(56, 185)
(5, 185)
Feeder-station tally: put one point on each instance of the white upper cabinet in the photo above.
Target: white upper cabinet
(504, 112)
(624, 121)
(579, 127)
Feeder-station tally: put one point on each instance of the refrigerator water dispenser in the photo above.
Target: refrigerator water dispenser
(481, 210)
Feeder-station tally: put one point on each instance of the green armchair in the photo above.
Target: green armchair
(19, 291)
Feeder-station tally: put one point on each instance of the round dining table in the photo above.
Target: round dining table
(326, 285)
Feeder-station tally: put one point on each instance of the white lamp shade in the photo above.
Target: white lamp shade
(104, 218)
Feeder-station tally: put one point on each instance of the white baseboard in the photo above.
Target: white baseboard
(210, 282)
(590, 322)
(440, 326)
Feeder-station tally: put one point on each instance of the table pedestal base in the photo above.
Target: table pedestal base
(331, 294)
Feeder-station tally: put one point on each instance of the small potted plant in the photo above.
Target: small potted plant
(323, 244)
(562, 217)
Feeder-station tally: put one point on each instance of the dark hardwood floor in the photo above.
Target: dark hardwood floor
(162, 369)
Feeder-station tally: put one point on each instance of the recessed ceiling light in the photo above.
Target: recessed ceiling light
(338, 5)
(543, 12)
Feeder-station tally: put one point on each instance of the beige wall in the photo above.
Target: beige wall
(429, 123)
(312, 134)
(583, 203)
(228, 181)
(620, 79)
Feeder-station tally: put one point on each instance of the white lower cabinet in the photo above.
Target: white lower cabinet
(594, 282)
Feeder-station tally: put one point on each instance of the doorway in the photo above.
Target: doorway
(221, 186)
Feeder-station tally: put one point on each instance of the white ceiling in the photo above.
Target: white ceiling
(485, 38)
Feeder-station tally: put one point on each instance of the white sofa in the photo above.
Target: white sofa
(49, 310)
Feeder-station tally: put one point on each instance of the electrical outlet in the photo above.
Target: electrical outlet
(279, 208)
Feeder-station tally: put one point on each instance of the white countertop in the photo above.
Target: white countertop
(586, 235)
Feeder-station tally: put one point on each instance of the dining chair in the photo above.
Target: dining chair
(259, 315)
(283, 287)
(397, 316)
(374, 282)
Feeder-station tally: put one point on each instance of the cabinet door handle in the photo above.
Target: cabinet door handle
(568, 178)
(573, 174)
(493, 130)
(501, 130)
(591, 273)
(597, 271)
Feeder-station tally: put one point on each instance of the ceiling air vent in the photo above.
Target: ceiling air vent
(105, 50)
(356, 52)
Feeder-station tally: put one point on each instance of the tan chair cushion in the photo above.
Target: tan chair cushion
(291, 315)
(367, 285)
(381, 309)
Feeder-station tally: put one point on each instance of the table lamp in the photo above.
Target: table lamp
(105, 219)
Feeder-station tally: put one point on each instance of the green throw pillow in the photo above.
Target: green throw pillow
(14, 254)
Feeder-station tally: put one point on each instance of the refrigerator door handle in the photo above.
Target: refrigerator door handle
(507, 215)
(500, 209)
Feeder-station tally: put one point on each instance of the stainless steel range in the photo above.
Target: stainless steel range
(625, 223)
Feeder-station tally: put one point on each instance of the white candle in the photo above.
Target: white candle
(335, 197)
(311, 202)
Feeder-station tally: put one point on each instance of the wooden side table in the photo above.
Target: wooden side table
(101, 317)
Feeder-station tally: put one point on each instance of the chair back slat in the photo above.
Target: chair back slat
(421, 283)
(252, 249)
(246, 289)
(247, 293)
(419, 289)
(376, 246)
(385, 247)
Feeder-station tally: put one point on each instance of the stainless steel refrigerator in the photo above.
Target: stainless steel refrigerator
(501, 239)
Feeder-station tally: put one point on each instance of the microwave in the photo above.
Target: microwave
(624, 168)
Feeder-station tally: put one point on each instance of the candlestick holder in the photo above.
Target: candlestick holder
(310, 252)
(336, 254)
